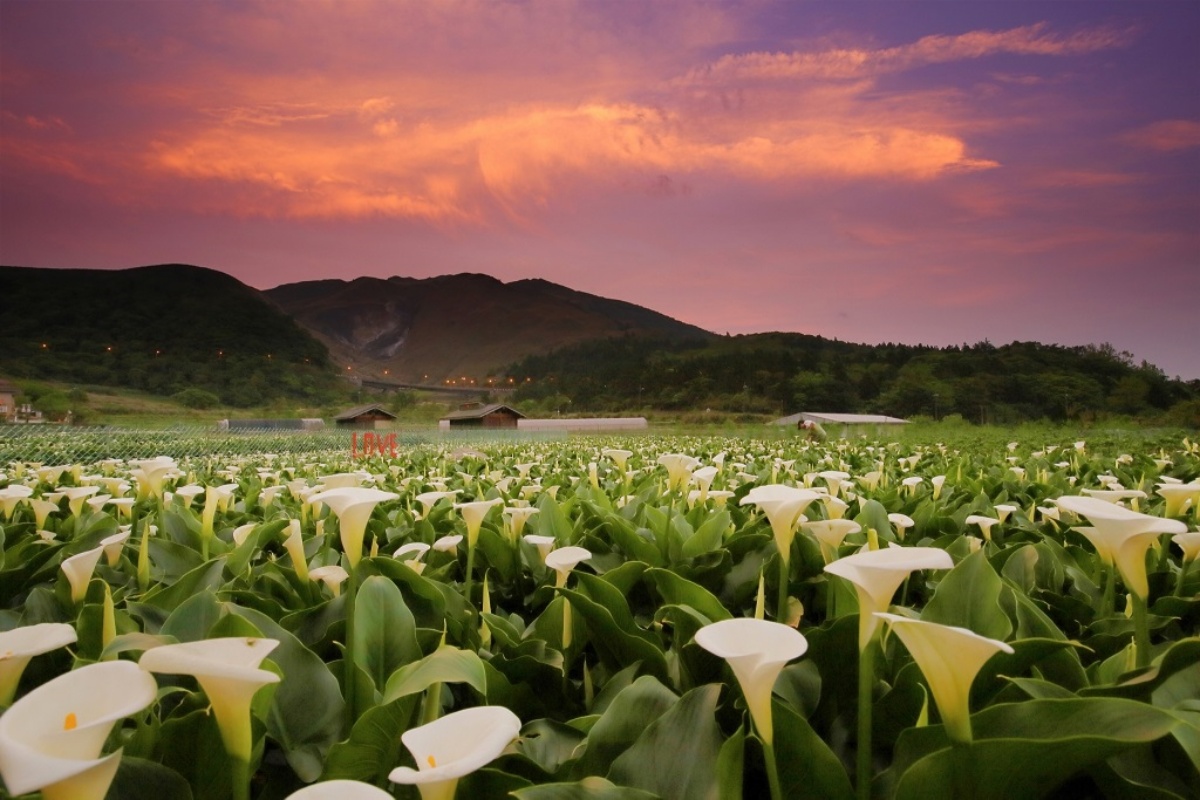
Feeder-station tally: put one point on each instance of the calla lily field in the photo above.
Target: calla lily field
(644, 616)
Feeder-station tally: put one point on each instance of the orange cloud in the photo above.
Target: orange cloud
(1166, 136)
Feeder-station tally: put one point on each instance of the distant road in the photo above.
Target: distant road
(435, 388)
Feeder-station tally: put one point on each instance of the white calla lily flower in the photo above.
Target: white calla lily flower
(949, 658)
(1125, 534)
(876, 574)
(454, 746)
(19, 645)
(340, 789)
(227, 670)
(50, 739)
(79, 568)
(757, 651)
(353, 506)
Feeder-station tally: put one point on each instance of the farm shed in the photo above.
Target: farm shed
(481, 415)
(304, 424)
(584, 425)
(369, 416)
(844, 425)
(8, 401)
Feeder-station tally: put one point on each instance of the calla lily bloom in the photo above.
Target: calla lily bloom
(340, 790)
(473, 514)
(679, 469)
(562, 561)
(783, 506)
(756, 651)
(50, 739)
(517, 517)
(1189, 543)
(430, 499)
(150, 474)
(876, 574)
(77, 495)
(985, 524)
(79, 568)
(447, 544)
(453, 746)
(227, 670)
(41, 510)
(294, 544)
(353, 506)
(829, 533)
(113, 545)
(544, 544)
(1126, 533)
(19, 645)
(414, 562)
(950, 658)
(11, 495)
(333, 576)
(1178, 496)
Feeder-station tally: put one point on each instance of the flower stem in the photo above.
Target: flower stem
(349, 675)
(866, 683)
(470, 571)
(781, 607)
(772, 770)
(1108, 602)
(240, 773)
(1141, 630)
(1183, 571)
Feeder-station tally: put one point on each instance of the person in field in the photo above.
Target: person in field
(815, 433)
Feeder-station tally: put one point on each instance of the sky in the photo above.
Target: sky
(921, 172)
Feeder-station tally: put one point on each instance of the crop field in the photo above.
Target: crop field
(648, 616)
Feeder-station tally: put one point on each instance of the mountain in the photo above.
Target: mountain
(454, 326)
(161, 329)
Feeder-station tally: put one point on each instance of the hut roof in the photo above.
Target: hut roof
(824, 418)
(481, 411)
(358, 411)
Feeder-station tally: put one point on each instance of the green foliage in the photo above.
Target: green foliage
(780, 373)
(158, 329)
(196, 398)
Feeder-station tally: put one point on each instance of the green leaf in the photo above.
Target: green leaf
(731, 766)
(676, 757)
(549, 744)
(139, 779)
(708, 536)
(445, 665)
(807, 767)
(307, 710)
(1051, 740)
(616, 637)
(629, 713)
(590, 788)
(680, 591)
(385, 633)
(969, 597)
(374, 745)
(194, 618)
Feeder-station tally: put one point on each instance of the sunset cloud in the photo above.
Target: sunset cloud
(1166, 136)
(852, 63)
(963, 164)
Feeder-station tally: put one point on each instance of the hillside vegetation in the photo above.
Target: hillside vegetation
(165, 330)
(781, 373)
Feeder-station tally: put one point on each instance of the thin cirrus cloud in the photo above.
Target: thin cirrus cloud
(1166, 136)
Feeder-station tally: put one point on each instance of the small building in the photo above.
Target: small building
(584, 424)
(481, 415)
(301, 424)
(8, 401)
(368, 416)
(843, 426)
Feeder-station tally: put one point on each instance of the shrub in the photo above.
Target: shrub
(196, 398)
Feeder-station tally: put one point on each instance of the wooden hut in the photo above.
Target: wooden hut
(481, 415)
(369, 416)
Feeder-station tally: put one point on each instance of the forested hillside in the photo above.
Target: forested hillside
(163, 329)
(783, 373)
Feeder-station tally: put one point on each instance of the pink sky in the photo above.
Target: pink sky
(926, 172)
